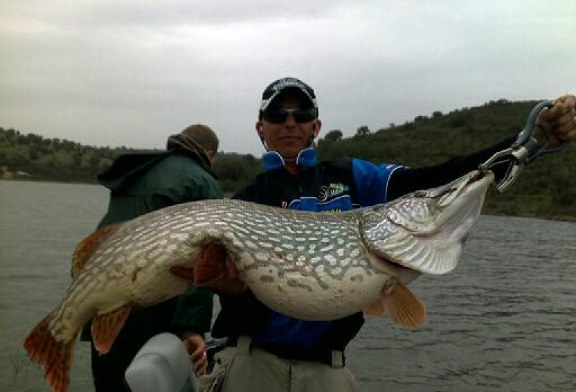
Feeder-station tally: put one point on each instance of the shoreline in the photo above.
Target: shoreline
(551, 217)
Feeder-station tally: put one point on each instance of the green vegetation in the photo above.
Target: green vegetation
(33, 157)
(545, 189)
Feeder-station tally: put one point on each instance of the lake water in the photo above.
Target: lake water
(505, 320)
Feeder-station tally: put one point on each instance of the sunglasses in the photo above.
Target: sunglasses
(278, 116)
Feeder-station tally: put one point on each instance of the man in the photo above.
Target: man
(144, 182)
(268, 351)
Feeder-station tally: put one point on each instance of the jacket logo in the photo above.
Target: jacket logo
(333, 190)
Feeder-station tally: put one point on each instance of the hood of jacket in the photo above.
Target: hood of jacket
(130, 166)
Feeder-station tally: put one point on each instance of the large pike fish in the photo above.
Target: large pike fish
(314, 266)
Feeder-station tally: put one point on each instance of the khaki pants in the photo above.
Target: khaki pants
(243, 368)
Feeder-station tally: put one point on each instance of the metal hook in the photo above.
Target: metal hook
(523, 151)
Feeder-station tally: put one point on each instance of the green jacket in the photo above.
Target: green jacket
(144, 182)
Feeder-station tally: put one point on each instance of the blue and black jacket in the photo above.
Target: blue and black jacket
(337, 185)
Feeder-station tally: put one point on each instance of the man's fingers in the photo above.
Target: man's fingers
(567, 132)
(196, 348)
(231, 270)
(563, 106)
(195, 345)
(565, 124)
(569, 100)
(199, 361)
(197, 354)
(559, 121)
(201, 365)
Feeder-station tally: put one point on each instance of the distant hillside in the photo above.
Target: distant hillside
(545, 189)
(33, 157)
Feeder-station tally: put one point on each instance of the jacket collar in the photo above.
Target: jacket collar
(273, 160)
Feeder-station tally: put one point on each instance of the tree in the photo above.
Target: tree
(363, 131)
(333, 136)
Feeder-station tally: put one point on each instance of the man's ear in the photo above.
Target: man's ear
(258, 127)
(316, 128)
(211, 155)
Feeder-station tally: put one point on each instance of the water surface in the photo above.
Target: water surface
(505, 320)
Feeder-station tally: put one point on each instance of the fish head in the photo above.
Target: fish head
(425, 230)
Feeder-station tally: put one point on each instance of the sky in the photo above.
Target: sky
(131, 72)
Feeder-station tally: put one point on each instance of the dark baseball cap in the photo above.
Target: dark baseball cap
(281, 85)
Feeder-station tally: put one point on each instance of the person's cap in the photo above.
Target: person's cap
(281, 85)
(203, 135)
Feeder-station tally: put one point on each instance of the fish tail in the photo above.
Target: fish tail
(55, 356)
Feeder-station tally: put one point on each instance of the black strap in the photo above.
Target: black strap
(334, 358)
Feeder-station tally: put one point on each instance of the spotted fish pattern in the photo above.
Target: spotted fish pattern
(313, 266)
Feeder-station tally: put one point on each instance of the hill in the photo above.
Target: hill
(33, 157)
(545, 189)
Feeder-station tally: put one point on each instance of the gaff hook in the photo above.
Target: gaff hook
(523, 151)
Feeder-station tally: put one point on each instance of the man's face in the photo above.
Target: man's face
(291, 135)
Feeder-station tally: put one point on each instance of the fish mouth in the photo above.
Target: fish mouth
(459, 191)
(466, 195)
(425, 231)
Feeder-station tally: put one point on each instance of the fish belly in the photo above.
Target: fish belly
(317, 296)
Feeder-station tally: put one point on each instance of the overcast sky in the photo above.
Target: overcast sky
(131, 72)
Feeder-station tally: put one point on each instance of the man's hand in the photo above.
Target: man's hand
(558, 123)
(214, 270)
(230, 284)
(196, 347)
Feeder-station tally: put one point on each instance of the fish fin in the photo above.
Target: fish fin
(107, 326)
(403, 307)
(54, 355)
(212, 265)
(375, 309)
(86, 248)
